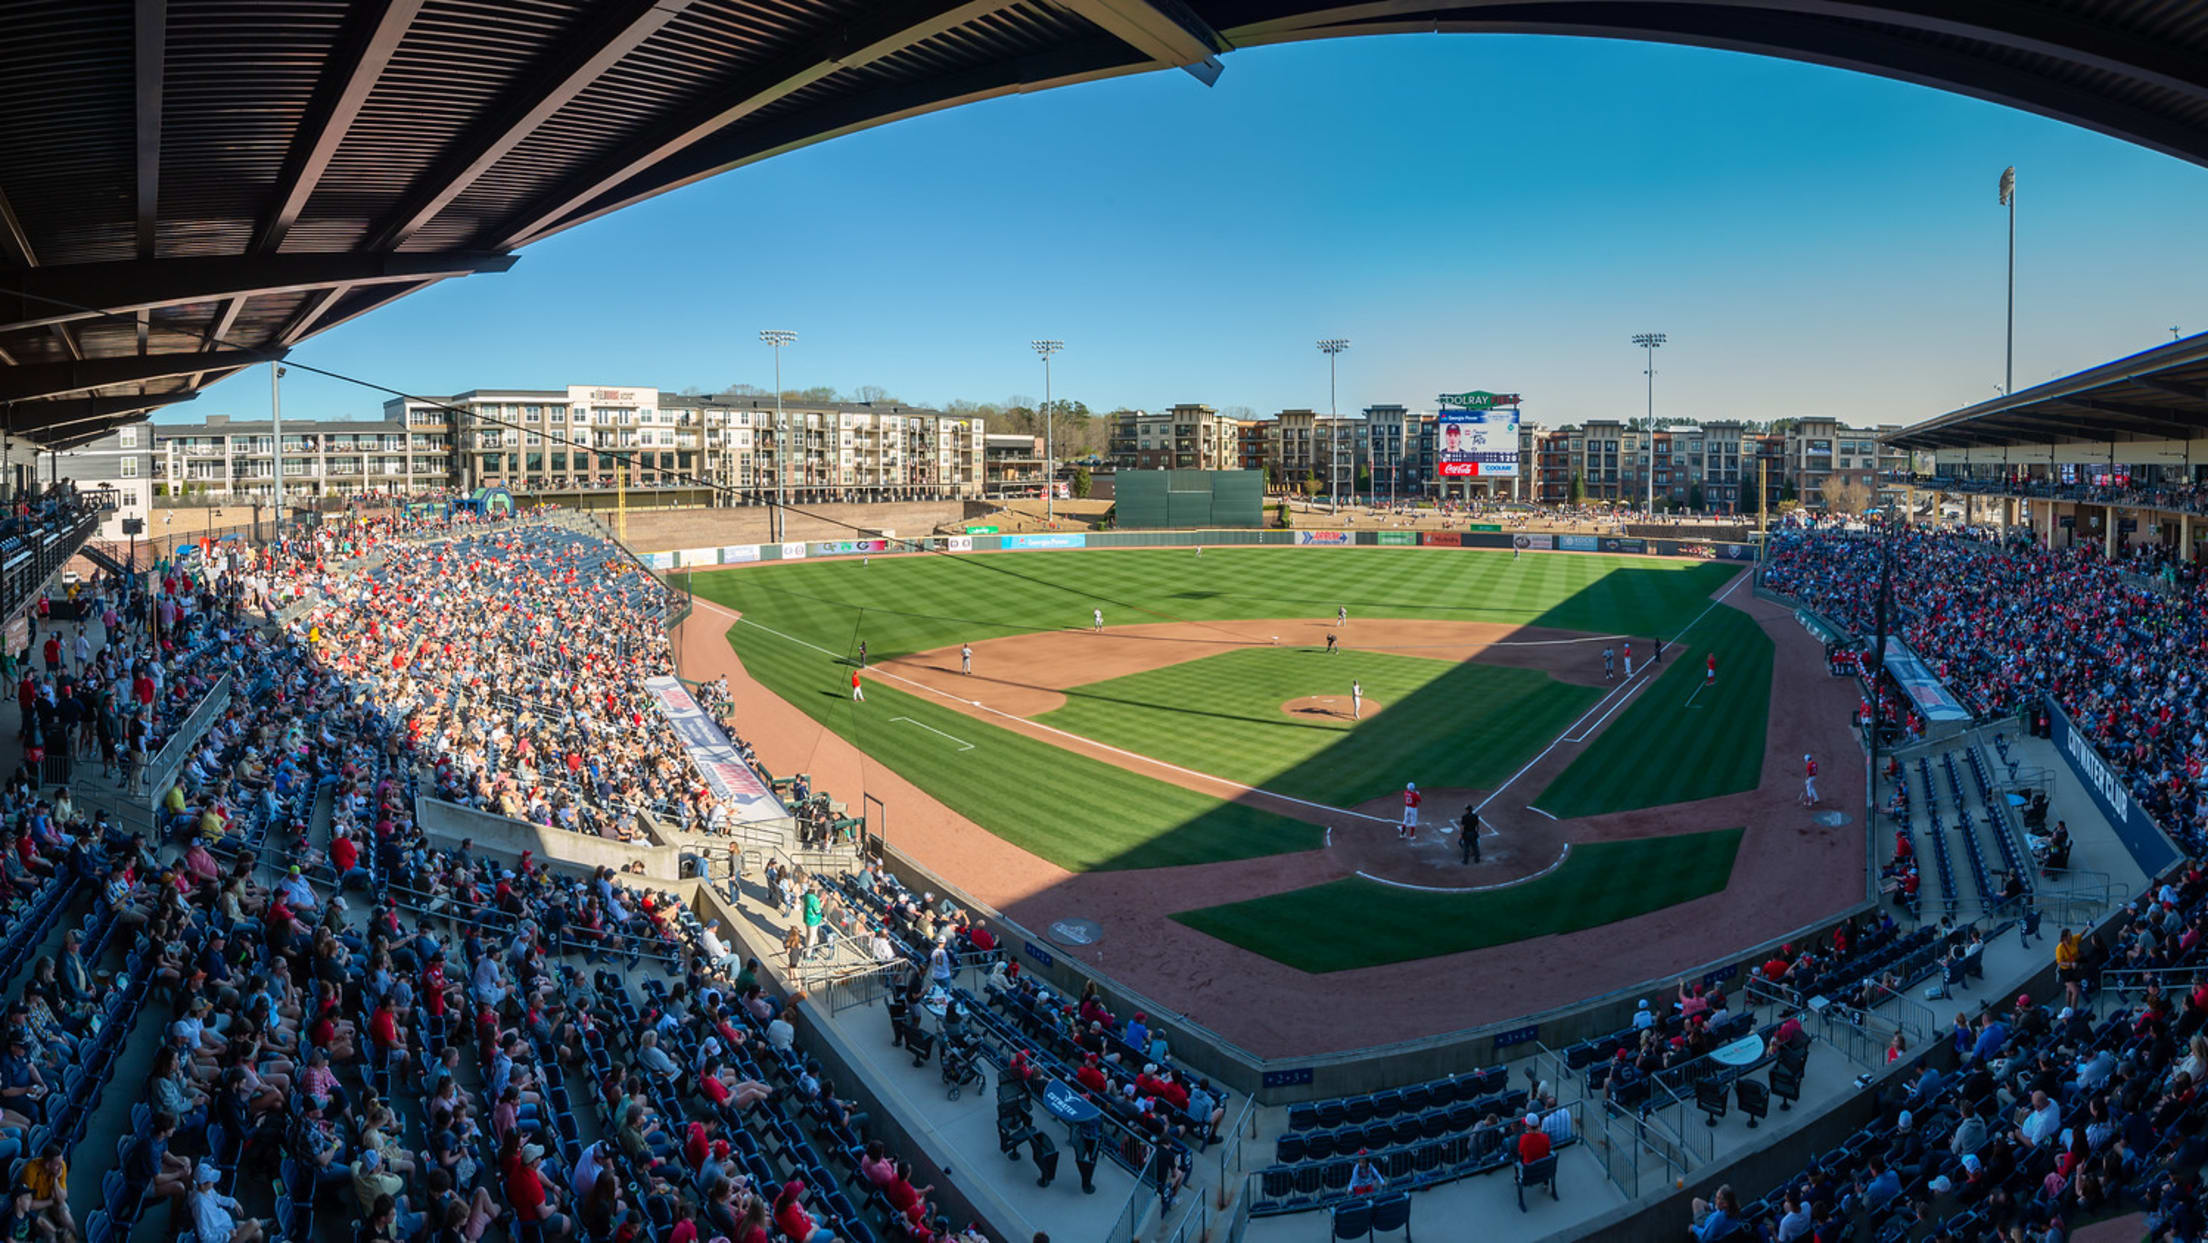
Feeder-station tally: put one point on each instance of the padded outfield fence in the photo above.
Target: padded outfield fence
(1495, 539)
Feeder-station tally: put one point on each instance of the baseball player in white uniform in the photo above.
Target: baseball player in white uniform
(1629, 660)
(1356, 700)
(965, 658)
(1409, 829)
(1809, 780)
(1096, 619)
(1341, 615)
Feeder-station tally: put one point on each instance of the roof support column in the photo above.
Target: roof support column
(2185, 536)
(2108, 535)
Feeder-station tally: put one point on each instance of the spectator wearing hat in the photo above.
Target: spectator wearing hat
(794, 1220)
(216, 1218)
(532, 1196)
(1533, 1142)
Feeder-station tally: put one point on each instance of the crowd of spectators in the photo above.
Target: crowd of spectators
(2008, 623)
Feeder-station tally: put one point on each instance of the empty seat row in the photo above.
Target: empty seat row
(1417, 1098)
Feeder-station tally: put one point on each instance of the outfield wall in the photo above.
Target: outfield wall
(1493, 538)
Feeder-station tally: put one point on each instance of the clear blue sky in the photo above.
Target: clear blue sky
(1497, 212)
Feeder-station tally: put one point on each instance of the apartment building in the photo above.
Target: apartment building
(236, 458)
(1011, 465)
(120, 462)
(1820, 450)
(1189, 436)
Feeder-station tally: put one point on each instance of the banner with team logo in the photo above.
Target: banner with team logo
(793, 550)
(958, 543)
(1540, 542)
(731, 780)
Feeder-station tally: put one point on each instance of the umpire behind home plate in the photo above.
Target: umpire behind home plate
(1469, 823)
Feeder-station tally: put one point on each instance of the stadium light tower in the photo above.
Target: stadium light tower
(1651, 341)
(777, 338)
(276, 433)
(1332, 347)
(1047, 347)
(2008, 200)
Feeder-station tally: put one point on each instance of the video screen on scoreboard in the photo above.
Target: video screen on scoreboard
(1478, 444)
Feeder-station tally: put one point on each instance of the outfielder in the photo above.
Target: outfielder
(1096, 619)
(1409, 828)
(1809, 780)
(965, 658)
(1709, 670)
(1356, 700)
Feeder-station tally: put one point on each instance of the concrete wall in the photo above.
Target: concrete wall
(668, 529)
(503, 835)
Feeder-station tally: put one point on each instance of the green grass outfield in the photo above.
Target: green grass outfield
(1345, 924)
(1445, 723)
(805, 617)
(1661, 750)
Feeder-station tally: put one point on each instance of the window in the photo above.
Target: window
(129, 467)
(127, 437)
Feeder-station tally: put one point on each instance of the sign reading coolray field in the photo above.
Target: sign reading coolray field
(712, 755)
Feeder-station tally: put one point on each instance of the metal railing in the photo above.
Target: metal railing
(1132, 1214)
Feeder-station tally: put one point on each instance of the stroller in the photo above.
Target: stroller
(961, 1062)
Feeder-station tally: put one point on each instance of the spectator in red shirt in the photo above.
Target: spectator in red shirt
(532, 1197)
(1534, 1144)
(1091, 1076)
(791, 1218)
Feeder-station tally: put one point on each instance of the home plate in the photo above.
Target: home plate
(1831, 819)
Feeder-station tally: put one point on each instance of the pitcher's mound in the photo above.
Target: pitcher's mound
(1329, 708)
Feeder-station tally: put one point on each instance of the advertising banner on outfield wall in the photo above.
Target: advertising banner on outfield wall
(1441, 539)
(1535, 541)
(849, 547)
(1736, 552)
(698, 556)
(1398, 537)
(1483, 526)
(1578, 543)
(1330, 539)
(660, 560)
(2134, 827)
(958, 543)
(738, 554)
(713, 755)
(1052, 539)
(1614, 544)
(793, 551)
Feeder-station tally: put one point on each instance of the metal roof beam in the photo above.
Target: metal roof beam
(2136, 418)
(26, 416)
(59, 379)
(893, 29)
(1166, 31)
(151, 54)
(35, 297)
(576, 62)
(15, 244)
(372, 34)
(2191, 392)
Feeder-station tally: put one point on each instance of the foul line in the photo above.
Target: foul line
(977, 704)
(963, 745)
(1531, 807)
(1716, 600)
(1501, 884)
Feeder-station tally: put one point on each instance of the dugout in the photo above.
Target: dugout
(1154, 500)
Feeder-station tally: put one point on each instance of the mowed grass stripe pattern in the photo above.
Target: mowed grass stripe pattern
(1659, 750)
(1079, 813)
(1083, 814)
(901, 605)
(1346, 924)
(1445, 724)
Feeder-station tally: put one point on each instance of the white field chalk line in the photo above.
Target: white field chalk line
(1716, 600)
(1531, 807)
(963, 745)
(975, 703)
(1501, 884)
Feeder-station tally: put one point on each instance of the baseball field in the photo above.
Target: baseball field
(1208, 720)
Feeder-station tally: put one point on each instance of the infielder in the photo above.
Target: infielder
(1096, 619)
(1809, 780)
(1609, 663)
(1409, 828)
(1356, 700)
(965, 659)
(1341, 615)
(1331, 641)
(858, 693)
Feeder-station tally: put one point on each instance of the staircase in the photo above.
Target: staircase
(107, 561)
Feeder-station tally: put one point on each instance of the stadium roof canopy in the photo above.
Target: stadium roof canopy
(191, 186)
(2159, 394)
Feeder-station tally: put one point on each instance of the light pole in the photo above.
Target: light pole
(276, 432)
(1047, 347)
(1651, 341)
(777, 338)
(1332, 347)
(2008, 200)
